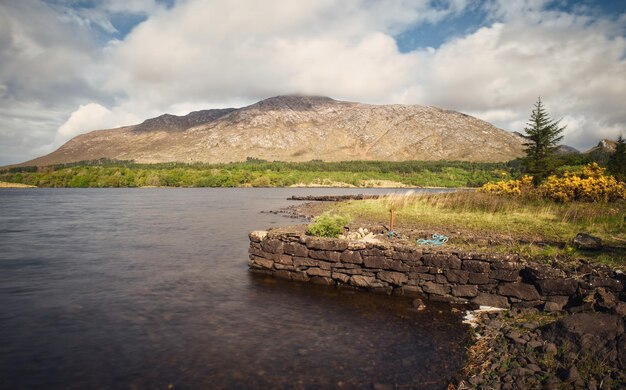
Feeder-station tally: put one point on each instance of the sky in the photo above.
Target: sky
(68, 67)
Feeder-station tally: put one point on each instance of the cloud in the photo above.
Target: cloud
(197, 54)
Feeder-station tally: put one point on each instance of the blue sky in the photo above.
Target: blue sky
(71, 66)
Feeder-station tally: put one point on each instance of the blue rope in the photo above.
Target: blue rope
(438, 239)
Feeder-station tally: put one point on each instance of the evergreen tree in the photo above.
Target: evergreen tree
(617, 160)
(543, 136)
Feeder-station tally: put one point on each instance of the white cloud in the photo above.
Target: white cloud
(200, 54)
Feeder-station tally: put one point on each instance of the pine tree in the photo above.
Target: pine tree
(617, 160)
(543, 136)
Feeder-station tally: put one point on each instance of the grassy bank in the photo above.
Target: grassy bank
(472, 218)
(255, 173)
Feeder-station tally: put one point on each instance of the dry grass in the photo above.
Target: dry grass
(480, 213)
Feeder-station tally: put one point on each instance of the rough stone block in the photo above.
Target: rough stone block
(492, 300)
(272, 245)
(540, 271)
(421, 276)
(523, 291)
(326, 244)
(457, 276)
(377, 252)
(446, 261)
(420, 269)
(505, 275)
(318, 272)
(343, 278)
(478, 278)
(325, 255)
(440, 278)
(295, 249)
(606, 282)
(435, 288)
(475, 266)
(361, 280)
(395, 278)
(466, 291)
(284, 259)
(353, 257)
(263, 263)
(376, 262)
(284, 267)
(306, 262)
(300, 277)
(397, 265)
(256, 251)
(557, 286)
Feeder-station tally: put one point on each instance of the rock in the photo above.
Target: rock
(442, 261)
(362, 281)
(326, 244)
(434, 288)
(552, 306)
(419, 304)
(587, 242)
(317, 272)
(569, 375)
(261, 262)
(466, 291)
(295, 249)
(504, 275)
(492, 300)
(594, 333)
(272, 246)
(306, 262)
(395, 278)
(325, 255)
(376, 262)
(475, 266)
(353, 257)
(522, 291)
(257, 235)
(605, 300)
(557, 286)
(457, 276)
(478, 278)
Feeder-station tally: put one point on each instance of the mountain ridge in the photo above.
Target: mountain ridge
(297, 128)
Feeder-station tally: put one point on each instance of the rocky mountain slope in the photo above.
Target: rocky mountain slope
(298, 128)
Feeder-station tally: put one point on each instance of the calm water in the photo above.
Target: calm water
(149, 288)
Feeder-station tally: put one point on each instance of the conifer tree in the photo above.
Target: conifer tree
(617, 160)
(543, 135)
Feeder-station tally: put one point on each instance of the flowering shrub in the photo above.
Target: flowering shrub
(509, 187)
(588, 185)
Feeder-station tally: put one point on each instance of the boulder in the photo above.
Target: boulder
(362, 281)
(523, 291)
(353, 257)
(557, 286)
(434, 288)
(257, 235)
(587, 242)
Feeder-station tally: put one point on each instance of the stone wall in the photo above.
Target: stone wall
(500, 280)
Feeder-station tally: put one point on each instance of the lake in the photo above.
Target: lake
(149, 288)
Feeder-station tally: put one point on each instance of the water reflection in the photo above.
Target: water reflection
(150, 288)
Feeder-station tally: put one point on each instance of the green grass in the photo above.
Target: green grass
(256, 173)
(520, 223)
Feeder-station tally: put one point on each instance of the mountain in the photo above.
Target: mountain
(601, 152)
(297, 128)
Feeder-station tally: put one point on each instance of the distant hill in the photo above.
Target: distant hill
(297, 128)
(602, 151)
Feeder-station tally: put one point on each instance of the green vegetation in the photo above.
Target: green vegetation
(327, 225)
(543, 134)
(258, 173)
(471, 216)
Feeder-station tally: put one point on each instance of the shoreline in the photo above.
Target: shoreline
(541, 347)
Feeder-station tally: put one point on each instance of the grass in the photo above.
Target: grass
(518, 222)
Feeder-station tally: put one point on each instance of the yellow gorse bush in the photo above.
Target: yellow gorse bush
(590, 185)
(509, 187)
